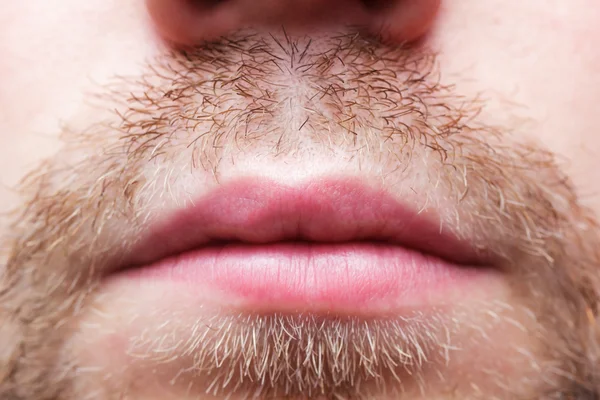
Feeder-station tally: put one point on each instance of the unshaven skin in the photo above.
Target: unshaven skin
(115, 112)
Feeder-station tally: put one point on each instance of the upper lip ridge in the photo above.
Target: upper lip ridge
(262, 211)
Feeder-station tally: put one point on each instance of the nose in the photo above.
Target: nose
(187, 22)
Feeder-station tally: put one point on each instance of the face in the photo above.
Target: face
(299, 200)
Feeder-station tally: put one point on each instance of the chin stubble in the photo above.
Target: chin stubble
(298, 355)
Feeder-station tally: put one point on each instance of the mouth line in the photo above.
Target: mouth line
(466, 261)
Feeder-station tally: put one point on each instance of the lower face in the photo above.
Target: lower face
(327, 218)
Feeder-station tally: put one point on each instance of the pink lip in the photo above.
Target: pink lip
(329, 244)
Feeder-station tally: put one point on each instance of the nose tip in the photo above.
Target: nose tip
(188, 22)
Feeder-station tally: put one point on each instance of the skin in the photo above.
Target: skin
(520, 78)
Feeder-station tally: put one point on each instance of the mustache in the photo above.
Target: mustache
(277, 96)
(193, 109)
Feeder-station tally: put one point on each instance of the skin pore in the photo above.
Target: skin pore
(464, 123)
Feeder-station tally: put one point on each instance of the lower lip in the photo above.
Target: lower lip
(359, 276)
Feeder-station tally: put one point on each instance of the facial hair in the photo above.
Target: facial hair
(282, 96)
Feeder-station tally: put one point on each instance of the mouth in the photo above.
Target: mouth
(325, 246)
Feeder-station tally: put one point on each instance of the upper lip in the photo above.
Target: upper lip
(259, 211)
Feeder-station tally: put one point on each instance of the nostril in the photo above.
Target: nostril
(188, 22)
(204, 4)
(378, 5)
(403, 21)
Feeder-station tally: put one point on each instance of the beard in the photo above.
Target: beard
(278, 97)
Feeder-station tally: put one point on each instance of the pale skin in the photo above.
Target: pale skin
(530, 71)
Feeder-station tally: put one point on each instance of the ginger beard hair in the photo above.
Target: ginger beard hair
(193, 109)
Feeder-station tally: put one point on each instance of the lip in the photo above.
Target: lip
(328, 244)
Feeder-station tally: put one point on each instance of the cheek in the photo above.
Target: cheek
(537, 65)
(51, 56)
